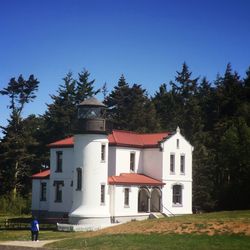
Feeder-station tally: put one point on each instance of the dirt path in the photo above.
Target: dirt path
(25, 244)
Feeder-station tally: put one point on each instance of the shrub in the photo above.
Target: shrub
(15, 206)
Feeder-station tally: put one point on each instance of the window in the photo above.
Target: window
(102, 194)
(182, 164)
(172, 163)
(132, 161)
(78, 179)
(177, 143)
(43, 188)
(126, 197)
(59, 155)
(177, 195)
(103, 152)
(58, 190)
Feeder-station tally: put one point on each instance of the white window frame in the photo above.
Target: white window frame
(103, 152)
(43, 191)
(58, 191)
(78, 179)
(177, 143)
(102, 197)
(172, 164)
(126, 197)
(177, 198)
(182, 164)
(59, 161)
(132, 161)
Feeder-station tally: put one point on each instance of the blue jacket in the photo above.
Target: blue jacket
(34, 225)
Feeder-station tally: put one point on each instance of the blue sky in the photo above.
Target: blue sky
(146, 40)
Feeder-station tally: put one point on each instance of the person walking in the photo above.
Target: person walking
(34, 229)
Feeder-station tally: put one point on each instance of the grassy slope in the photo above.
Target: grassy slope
(229, 230)
(158, 241)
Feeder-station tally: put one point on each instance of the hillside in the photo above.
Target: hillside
(231, 222)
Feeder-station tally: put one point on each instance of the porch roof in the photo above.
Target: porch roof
(134, 179)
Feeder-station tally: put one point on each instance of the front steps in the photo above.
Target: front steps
(158, 215)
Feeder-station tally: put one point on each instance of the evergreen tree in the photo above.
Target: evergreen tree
(84, 87)
(206, 103)
(15, 160)
(104, 90)
(230, 132)
(167, 108)
(188, 111)
(203, 173)
(141, 114)
(131, 109)
(60, 116)
(244, 108)
(117, 102)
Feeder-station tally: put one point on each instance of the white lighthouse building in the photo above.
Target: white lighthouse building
(90, 171)
(101, 176)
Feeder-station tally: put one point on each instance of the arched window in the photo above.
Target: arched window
(177, 195)
(79, 179)
(143, 197)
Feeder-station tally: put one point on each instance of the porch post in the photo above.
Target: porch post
(149, 200)
(149, 203)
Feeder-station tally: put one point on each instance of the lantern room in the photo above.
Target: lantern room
(91, 116)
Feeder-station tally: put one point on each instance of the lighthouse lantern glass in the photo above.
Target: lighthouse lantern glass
(85, 112)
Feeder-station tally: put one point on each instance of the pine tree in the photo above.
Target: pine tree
(60, 116)
(131, 109)
(141, 113)
(167, 108)
(84, 87)
(15, 160)
(117, 102)
(185, 91)
(227, 99)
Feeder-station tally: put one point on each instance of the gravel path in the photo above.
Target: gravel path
(24, 244)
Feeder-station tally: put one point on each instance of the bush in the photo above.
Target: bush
(14, 206)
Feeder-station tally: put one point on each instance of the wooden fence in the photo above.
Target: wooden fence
(24, 224)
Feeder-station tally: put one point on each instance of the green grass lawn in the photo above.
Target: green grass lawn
(9, 235)
(218, 216)
(157, 241)
(143, 240)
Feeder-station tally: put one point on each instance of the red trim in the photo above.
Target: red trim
(42, 175)
(64, 143)
(134, 179)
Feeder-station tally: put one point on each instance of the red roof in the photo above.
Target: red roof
(42, 175)
(134, 179)
(64, 143)
(121, 138)
(128, 138)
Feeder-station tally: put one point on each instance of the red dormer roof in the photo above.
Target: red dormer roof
(42, 175)
(121, 138)
(134, 179)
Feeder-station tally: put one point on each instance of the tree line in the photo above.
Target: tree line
(213, 116)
